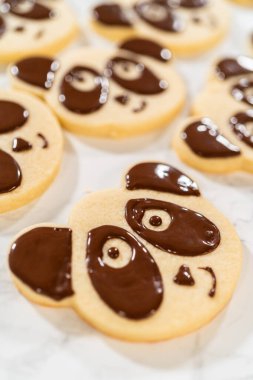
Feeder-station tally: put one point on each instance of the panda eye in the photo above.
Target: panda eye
(116, 253)
(128, 70)
(156, 220)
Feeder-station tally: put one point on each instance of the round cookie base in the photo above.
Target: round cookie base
(181, 49)
(114, 131)
(153, 329)
(208, 165)
(52, 48)
(33, 193)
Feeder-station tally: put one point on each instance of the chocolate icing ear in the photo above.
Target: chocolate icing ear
(149, 48)
(36, 71)
(41, 259)
(160, 177)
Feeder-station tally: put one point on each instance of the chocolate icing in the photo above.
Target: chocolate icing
(160, 177)
(230, 67)
(19, 29)
(134, 291)
(188, 234)
(111, 14)
(20, 145)
(193, 3)
(239, 123)
(45, 143)
(36, 10)
(83, 102)
(2, 26)
(10, 173)
(169, 23)
(122, 99)
(243, 91)
(41, 259)
(113, 253)
(147, 47)
(37, 71)
(12, 116)
(147, 83)
(155, 221)
(212, 292)
(204, 139)
(184, 276)
(141, 107)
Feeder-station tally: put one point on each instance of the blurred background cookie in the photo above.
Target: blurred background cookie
(187, 27)
(34, 27)
(31, 147)
(112, 93)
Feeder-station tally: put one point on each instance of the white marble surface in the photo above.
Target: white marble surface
(38, 343)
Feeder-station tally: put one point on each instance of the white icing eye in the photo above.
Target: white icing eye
(83, 80)
(128, 70)
(24, 6)
(156, 220)
(154, 12)
(116, 253)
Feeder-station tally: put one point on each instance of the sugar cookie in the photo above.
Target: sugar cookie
(220, 139)
(34, 27)
(202, 144)
(106, 92)
(188, 27)
(31, 147)
(149, 262)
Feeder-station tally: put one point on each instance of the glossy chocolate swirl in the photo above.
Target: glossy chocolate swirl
(204, 139)
(81, 101)
(188, 234)
(111, 14)
(37, 71)
(20, 145)
(34, 11)
(10, 173)
(230, 67)
(41, 259)
(2, 26)
(12, 116)
(160, 177)
(193, 3)
(147, 47)
(145, 82)
(239, 124)
(159, 15)
(184, 276)
(134, 291)
(243, 91)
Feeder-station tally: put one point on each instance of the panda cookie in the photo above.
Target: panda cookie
(219, 138)
(111, 93)
(31, 147)
(151, 261)
(201, 143)
(34, 27)
(188, 27)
